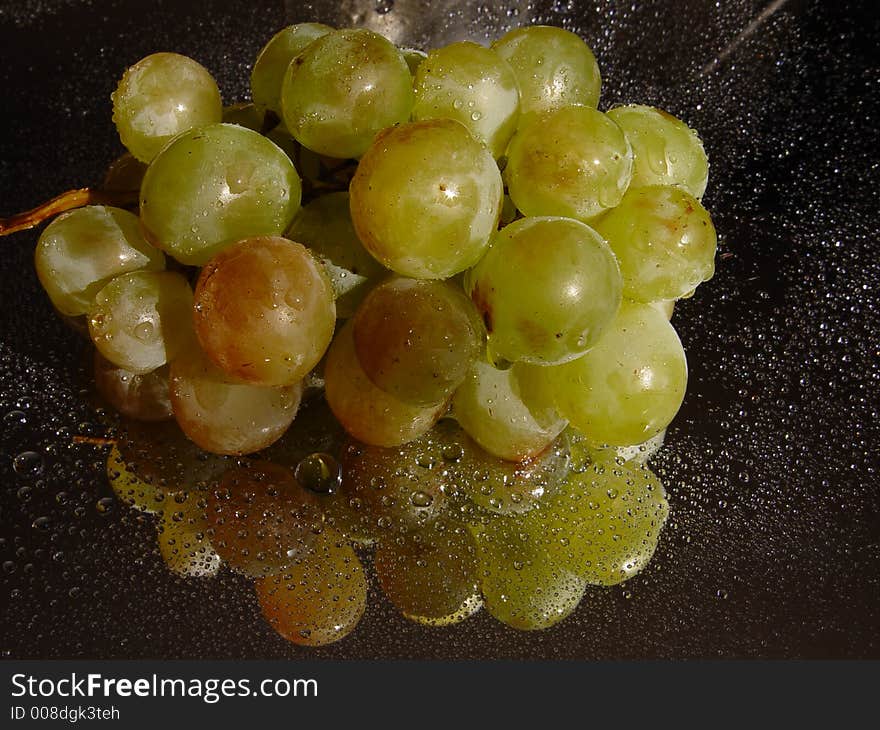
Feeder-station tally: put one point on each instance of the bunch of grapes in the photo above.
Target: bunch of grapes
(408, 306)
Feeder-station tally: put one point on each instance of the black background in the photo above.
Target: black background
(773, 544)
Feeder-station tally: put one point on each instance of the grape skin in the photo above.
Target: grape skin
(574, 162)
(416, 339)
(215, 185)
(366, 412)
(161, 96)
(143, 397)
(546, 289)
(82, 250)
(426, 198)
(140, 320)
(629, 387)
(281, 320)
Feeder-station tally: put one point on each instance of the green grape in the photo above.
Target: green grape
(547, 289)
(130, 488)
(244, 115)
(664, 241)
(143, 397)
(226, 417)
(665, 150)
(260, 520)
(141, 320)
(272, 63)
(319, 598)
(507, 420)
(629, 387)
(553, 66)
(343, 89)
(325, 226)
(431, 576)
(82, 250)
(413, 58)
(183, 537)
(279, 323)
(604, 523)
(473, 85)
(666, 306)
(499, 486)
(366, 412)
(214, 185)
(417, 339)
(425, 199)
(161, 96)
(573, 162)
(523, 585)
(393, 490)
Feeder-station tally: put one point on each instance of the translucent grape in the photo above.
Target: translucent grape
(227, 417)
(143, 397)
(244, 115)
(547, 289)
(473, 85)
(506, 419)
(215, 185)
(125, 174)
(417, 339)
(183, 537)
(573, 162)
(130, 488)
(271, 65)
(366, 412)
(665, 150)
(343, 89)
(604, 523)
(523, 585)
(664, 241)
(629, 387)
(425, 199)
(431, 577)
(82, 250)
(161, 96)
(413, 58)
(280, 320)
(260, 520)
(553, 66)
(325, 226)
(141, 320)
(320, 598)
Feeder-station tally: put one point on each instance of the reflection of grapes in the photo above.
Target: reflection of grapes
(478, 418)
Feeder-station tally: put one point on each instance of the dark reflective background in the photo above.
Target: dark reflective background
(773, 545)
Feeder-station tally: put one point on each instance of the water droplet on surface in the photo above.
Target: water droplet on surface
(28, 464)
(319, 472)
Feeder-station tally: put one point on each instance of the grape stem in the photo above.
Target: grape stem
(93, 440)
(64, 202)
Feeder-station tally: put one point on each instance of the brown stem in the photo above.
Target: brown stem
(61, 203)
(93, 440)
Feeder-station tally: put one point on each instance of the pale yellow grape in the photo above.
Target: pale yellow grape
(413, 58)
(604, 523)
(142, 320)
(183, 540)
(244, 115)
(264, 310)
(664, 241)
(473, 85)
(272, 62)
(365, 411)
(325, 227)
(82, 250)
(629, 387)
(144, 397)
(665, 150)
(667, 306)
(546, 289)
(343, 89)
(554, 68)
(573, 162)
(499, 415)
(161, 96)
(227, 417)
(425, 199)
(215, 185)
